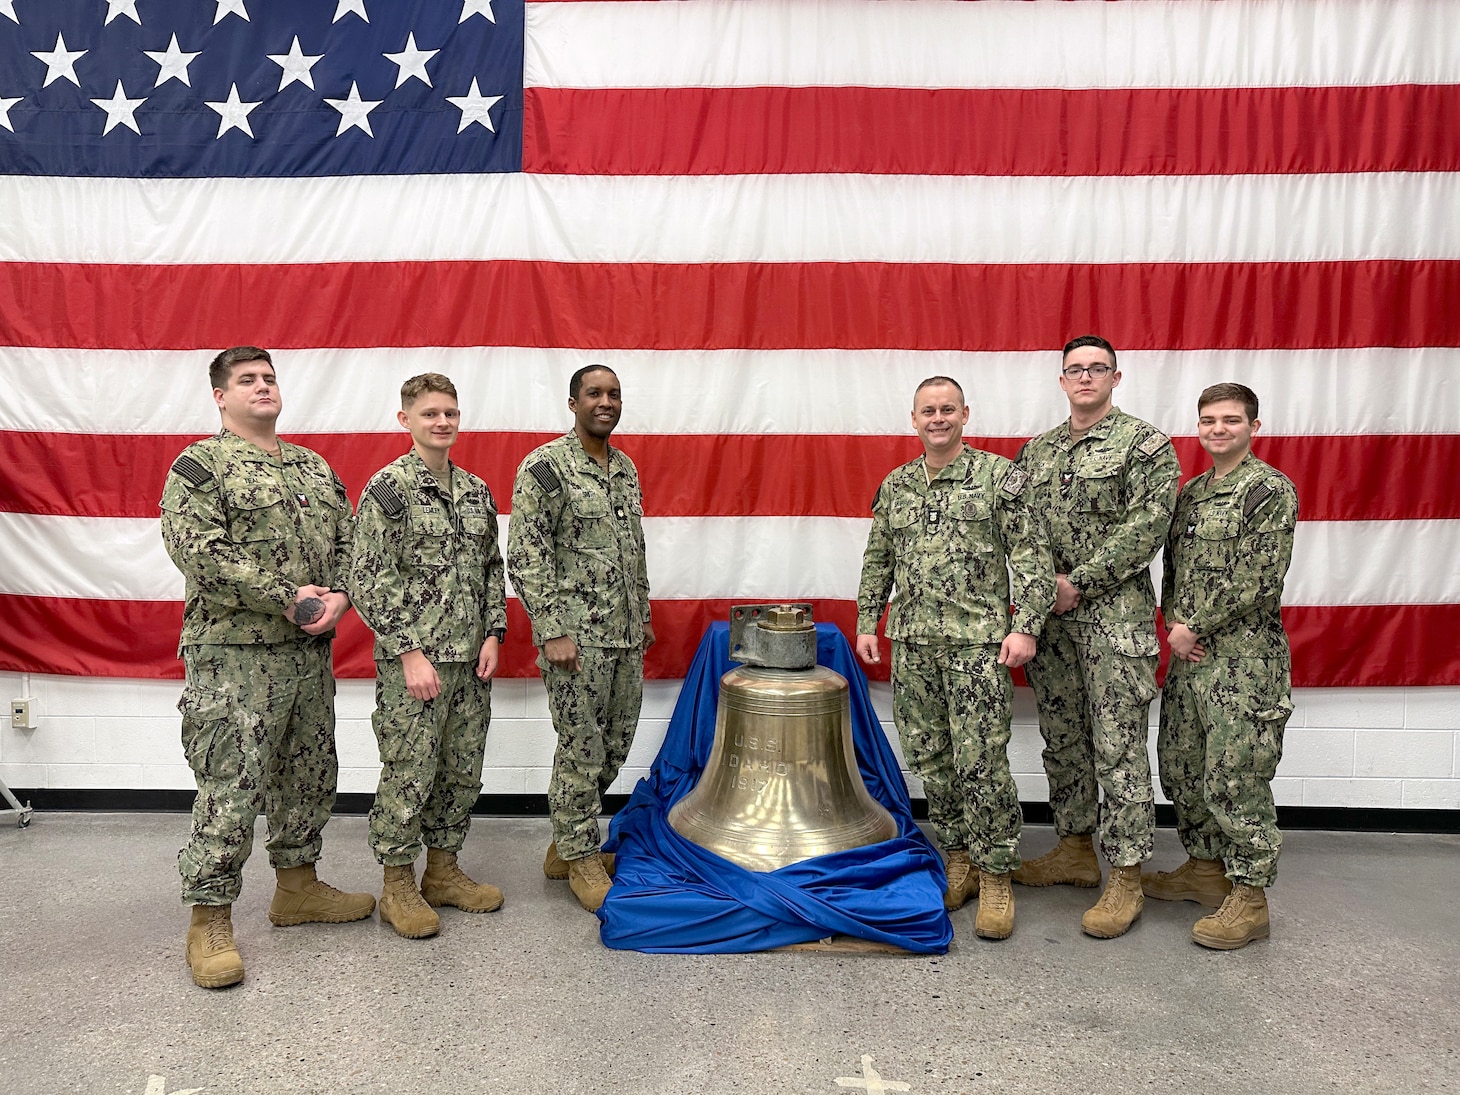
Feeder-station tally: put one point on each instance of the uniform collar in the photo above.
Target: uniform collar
(247, 450)
(1100, 430)
(582, 457)
(426, 478)
(1247, 468)
(954, 470)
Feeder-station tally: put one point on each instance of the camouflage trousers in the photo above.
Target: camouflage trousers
(1222, 722)
(952, 708)
(595, 713)
(1094, 714)
(431, 760)
(258, 730)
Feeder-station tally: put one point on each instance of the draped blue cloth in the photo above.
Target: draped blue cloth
(671, 895)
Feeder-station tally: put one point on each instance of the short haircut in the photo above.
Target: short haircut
(1090, 340)
(220, 369)
(418, 386)
(939, 380)
(575, 382)
(1222, 393)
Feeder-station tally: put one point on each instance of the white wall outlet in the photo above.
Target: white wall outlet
(20, 715)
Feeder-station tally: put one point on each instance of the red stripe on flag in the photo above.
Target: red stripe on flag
(1402, 477)
(138, 639)
(789, 305)
(991, 131)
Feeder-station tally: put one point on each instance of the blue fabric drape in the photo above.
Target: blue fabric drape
(670, 895)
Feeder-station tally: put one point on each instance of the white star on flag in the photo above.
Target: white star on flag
(121, 7)
(411, 61)
(476, 7)
(60, 62)
(233, 114)
(5, 105)
(120, 110)
(172, 63)
(354, 111)
(296, 65)
(346, 7)
(474, 107)
(7, 7)
(230, 7)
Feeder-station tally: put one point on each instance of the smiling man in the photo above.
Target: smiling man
(260, 529)
(1105, 483)
(575, 553)
(1227, 696)
(948, 529)
(426, 575)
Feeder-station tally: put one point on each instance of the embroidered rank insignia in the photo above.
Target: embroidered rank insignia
(192, 469)
(1255, 498)
(933, 517)
(1191, 529)
(1155, 441)
(1014, 482)
(386, 497)
(620, 513)
(1066, 478)
(303, 502)
(546, 478)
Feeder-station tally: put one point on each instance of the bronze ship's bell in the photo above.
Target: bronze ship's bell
(781, 783)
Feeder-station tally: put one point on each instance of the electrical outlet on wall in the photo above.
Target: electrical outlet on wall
(20, 714)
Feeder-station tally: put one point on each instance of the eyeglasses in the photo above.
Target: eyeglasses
(1097, 372)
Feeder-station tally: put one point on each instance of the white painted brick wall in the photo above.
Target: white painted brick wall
(1385, 747)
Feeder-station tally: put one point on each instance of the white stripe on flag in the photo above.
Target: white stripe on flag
(736, 218)
(1375, 390)
(1334, 562)
(996, 43)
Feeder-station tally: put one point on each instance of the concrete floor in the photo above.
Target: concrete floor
(1357, 991)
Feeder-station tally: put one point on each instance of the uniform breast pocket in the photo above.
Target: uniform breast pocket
(904, 518)
(592, 525)
(1098, 486)
(1214, 542)
(432, 542)
(974, 514)
(261, 515)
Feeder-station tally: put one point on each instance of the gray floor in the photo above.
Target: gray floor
(1358, 990)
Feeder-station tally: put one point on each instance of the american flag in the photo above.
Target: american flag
(772, 218)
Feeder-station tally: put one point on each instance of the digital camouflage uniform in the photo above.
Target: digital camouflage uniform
(1222, 718)
(948, 547)
(1106, 501)
(426, 574)
(575, 553)
(247, 530)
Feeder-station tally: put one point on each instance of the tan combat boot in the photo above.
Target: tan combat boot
(962, 879)
(402, 907)
(1241, 919)
(556, 867)
(301, 898)
(1200, 880)
(1119, 906)
(589, 880)
(995, 919)
(211, 955)
(444, 883)
(1071, 862)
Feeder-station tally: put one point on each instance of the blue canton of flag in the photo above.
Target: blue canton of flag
(197, 88)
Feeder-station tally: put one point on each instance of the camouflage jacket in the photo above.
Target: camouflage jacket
(247, 530)
(948, 548)
(575, 546)
(1106, 502)
(1227, 556)
(426, 572)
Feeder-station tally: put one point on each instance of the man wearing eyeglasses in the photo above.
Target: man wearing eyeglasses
(1106, 483)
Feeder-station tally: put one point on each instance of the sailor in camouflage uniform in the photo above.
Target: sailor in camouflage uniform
(260, 529)
(575, 554)
(1105, 483)
(426, 575)
(1227, 694)
(947, 530)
